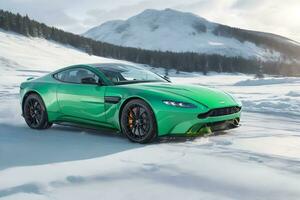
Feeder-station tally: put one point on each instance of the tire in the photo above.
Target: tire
(138, 122)
(35, 113)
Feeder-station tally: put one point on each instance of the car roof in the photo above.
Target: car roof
(104, 64)
(112, 65)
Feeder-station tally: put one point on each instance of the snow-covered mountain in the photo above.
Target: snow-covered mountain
(171, 30)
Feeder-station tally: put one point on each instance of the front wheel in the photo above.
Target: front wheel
(35, 113)
(138, 121)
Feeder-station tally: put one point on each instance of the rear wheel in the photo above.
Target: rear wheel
(35, 113)
(138, 121)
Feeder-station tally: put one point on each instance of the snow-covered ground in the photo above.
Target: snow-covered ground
(277, 96)
(259, 160)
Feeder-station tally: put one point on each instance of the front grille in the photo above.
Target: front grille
(220, 112)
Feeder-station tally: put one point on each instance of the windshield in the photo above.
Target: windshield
(125, 74)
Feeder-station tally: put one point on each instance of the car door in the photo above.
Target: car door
(78, 98)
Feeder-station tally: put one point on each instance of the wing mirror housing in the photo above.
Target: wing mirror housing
(29, 78)
(90, 80)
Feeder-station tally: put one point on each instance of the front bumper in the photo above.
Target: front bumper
(190, 124)
(201, 129)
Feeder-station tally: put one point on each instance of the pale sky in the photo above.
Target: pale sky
(276, 16)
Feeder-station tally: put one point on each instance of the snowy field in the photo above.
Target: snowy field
(259, 160)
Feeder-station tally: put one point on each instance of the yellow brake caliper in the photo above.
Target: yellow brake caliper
(130, 119)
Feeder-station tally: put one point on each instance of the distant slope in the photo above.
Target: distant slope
(20, 52)
(171, 30)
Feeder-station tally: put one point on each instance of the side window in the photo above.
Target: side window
(75, 75)
(60, 75)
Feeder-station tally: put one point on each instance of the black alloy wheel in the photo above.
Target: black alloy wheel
(35, 113)
(138, 121)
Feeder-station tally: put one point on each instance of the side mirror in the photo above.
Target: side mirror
(89, 80)
(29, 78)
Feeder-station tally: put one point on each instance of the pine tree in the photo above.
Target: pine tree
(220, 67)
(25, 28)
(205, 69)
(88, 49)
(166, 72)
(6, 24)
(259, 74)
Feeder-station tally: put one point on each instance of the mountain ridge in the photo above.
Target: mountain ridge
(172, 30)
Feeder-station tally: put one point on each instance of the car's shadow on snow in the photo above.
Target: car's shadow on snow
(22, 146)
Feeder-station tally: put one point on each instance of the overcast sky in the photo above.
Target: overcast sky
(277, 16)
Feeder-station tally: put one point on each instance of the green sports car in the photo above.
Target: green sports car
(139, 103)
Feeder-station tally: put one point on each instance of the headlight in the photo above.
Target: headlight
(179, 104)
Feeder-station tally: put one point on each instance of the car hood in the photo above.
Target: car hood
(210, 97)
